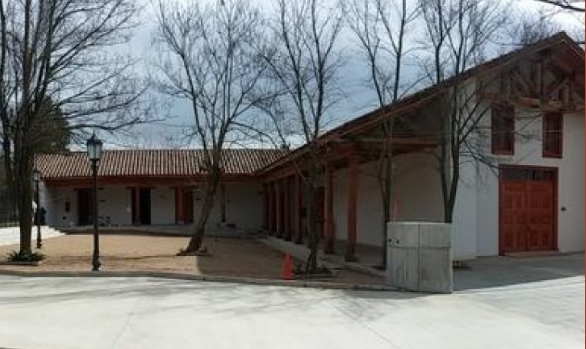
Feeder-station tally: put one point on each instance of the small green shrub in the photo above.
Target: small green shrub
(23, 256)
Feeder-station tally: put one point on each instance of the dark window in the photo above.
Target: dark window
(503, 129)
(527, 174)
(552, 135)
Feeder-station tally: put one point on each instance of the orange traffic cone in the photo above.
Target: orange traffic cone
(287, 267)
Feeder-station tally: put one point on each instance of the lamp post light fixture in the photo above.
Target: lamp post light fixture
(94, 152)
(37, 178)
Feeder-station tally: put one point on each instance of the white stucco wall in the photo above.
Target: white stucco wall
(55, 199)
(528, 151)
(244, 205)
(162, 205)
(114, 202)
(465, 218)
(417, 197)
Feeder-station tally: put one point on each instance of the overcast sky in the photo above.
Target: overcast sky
(359, 99)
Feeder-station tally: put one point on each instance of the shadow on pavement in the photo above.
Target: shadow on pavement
(490, 272)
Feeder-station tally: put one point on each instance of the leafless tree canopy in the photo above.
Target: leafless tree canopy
(563, 4)
(303, 63)
(381, 28)
(208, 57)
(532, 28)
(60, 52)
(458, 32)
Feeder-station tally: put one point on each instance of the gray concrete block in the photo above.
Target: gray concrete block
(435, 235)
(420, 257)
(405, 234)
(435, 271)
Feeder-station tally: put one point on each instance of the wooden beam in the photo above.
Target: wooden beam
(286, 210)
(136, 220)
(298, 210)
(279, 218)
(223, 202)
(179, 192)
(143, 181)
(351, 213)
(271, 193)
(266, 206)
(329, 211)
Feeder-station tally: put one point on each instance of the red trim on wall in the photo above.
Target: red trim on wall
(548, 121)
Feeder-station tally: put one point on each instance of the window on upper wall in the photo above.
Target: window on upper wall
(552, 134)
(503, 129)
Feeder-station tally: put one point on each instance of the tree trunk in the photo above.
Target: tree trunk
(386, 201)
(9, 171)
(311, 263)
(23, 185)
(196, 240)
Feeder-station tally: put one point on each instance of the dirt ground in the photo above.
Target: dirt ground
(229, 257)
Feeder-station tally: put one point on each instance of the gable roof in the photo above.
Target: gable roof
(483, 68)
(421, 97)
(152, 163)
(187, 162)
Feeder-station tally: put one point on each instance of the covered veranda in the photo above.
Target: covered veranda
(346, 155)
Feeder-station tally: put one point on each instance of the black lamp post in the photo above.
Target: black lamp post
(94, 152)
(37, 178)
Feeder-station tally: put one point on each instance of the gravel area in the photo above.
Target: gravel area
(228, 257)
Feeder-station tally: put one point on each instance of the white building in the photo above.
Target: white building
(526, 193)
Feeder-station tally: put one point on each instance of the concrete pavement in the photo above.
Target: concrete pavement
(80, 313)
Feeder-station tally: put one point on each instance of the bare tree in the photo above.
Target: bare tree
(61, 52)
(208, 58)
(564, 4)
(381, 29)
(304, 64)
(530, 28)
(457, 32)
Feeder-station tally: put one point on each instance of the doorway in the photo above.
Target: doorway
(85, 206)
(527, 209)
(141, 206)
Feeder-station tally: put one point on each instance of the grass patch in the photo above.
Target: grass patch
(25, 256)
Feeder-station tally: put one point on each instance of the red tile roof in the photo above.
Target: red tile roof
(152, 163)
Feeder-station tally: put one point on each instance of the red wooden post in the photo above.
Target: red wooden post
(271, 193)
(266, 206)
(180, 206)
(351, 214)
(137, 205)
(329, 211)
(287, 209)
(298, 209)
(279, 205)
(223, 202)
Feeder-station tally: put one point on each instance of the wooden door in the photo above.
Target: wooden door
(540, 215)
(527, 209)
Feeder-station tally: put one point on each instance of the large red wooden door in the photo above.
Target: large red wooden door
(527, 209)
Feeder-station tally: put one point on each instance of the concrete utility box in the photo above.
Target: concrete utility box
(419, 256)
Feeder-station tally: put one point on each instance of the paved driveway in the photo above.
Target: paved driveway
(62, 313)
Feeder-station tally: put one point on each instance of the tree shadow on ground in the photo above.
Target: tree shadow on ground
(492, 272)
